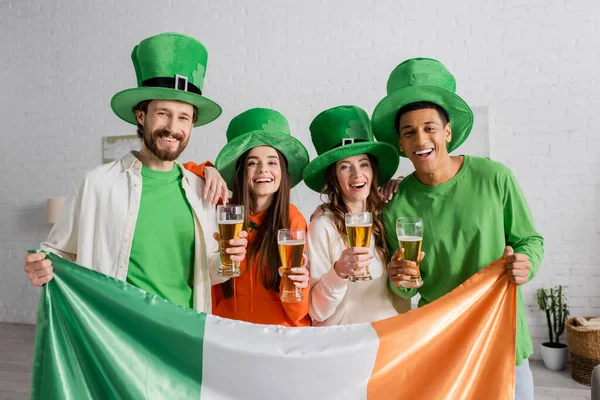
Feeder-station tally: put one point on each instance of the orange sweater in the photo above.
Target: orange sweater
(197, 169)
(251, 302)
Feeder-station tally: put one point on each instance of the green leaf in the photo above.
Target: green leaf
(198, 75)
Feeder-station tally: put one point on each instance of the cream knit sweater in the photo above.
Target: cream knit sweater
(337, 301)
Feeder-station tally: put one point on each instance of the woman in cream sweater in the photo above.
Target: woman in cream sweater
(348, 168)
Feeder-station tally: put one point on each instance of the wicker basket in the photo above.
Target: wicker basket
(584, 346)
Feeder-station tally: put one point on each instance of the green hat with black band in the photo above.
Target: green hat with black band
(168, 66)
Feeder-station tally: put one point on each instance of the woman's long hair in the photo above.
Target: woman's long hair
(263, 250)
(374, 205)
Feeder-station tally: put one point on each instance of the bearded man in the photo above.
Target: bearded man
(145, 219)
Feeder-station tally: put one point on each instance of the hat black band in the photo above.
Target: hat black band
(346, 144)
(172, 83)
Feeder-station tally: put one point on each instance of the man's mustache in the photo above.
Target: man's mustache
(163, 132)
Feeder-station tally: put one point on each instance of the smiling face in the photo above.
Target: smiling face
(167, 125)
(423, 135)
(263, 173)
(354, 175)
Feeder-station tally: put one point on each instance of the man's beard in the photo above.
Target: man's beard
(151, 139)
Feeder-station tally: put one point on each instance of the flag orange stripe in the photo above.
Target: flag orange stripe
(461, 346)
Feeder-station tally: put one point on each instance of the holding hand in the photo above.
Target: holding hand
(215, 187)
(237, 249)
(400, 270)
(39, 271)
(320, 210)
(299, 275)
(353, 262)
(389, 188)
(517, 266)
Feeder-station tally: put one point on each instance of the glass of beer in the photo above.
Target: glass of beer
(291, 247)
(410, 236)
(358, 228)
(230, 218)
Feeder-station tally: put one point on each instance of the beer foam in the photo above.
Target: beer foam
(360, 225)
(290, 242)
(409, 238)
(229, 222)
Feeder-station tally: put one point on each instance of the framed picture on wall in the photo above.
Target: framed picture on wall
(115, 147)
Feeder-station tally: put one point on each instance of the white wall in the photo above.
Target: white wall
(533, 63)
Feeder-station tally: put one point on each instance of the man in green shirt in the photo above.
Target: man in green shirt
(472, 208)
(145, 219)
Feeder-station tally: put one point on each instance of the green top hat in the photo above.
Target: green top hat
(416, 80)
(342, 132)
(261, 127)
(169, 66)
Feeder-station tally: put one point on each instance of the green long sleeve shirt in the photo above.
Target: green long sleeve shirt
(468, 221)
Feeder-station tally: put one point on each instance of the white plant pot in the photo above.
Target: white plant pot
(554, 358)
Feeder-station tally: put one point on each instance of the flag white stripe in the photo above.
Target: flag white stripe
(250, 361)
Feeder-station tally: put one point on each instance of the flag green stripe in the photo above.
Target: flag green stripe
(98, 337)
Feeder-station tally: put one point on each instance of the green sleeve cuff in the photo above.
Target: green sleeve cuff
(403, 292)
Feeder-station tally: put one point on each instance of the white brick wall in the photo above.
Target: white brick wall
(533, 63)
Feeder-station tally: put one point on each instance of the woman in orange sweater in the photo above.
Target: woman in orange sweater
(261, 162)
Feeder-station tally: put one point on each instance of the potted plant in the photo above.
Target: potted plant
(554, 303)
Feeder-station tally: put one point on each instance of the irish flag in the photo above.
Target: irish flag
(99, 338)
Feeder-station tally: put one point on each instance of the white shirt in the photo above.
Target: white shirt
(337, 301)
(96, 225)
